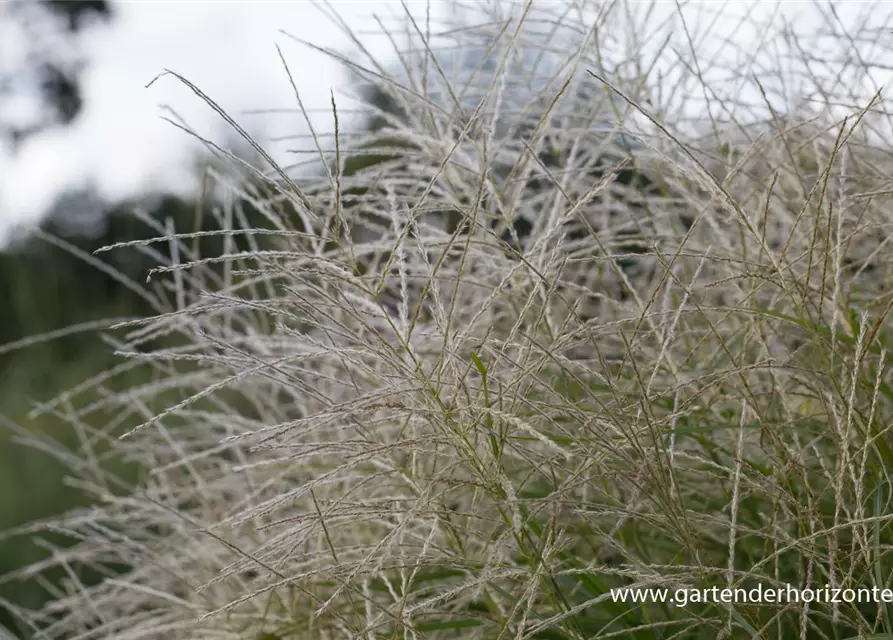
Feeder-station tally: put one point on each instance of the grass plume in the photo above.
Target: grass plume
(558, 336)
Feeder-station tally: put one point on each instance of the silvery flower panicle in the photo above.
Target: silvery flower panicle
(531, 70)
(513, 79)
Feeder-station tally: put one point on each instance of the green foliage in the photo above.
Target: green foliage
(50, 280)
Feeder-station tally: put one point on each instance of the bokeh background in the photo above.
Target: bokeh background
(87, 159)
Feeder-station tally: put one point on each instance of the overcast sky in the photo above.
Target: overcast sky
(228, 49)
(225, 47)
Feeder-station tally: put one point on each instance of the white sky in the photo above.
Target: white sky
(227, 48)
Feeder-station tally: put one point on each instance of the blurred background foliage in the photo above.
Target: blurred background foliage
(46, 72)
(50, 280)
(41, 286)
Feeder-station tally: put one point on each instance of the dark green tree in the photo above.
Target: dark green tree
(49, 67)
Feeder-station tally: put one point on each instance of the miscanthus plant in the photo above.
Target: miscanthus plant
(376, 424)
